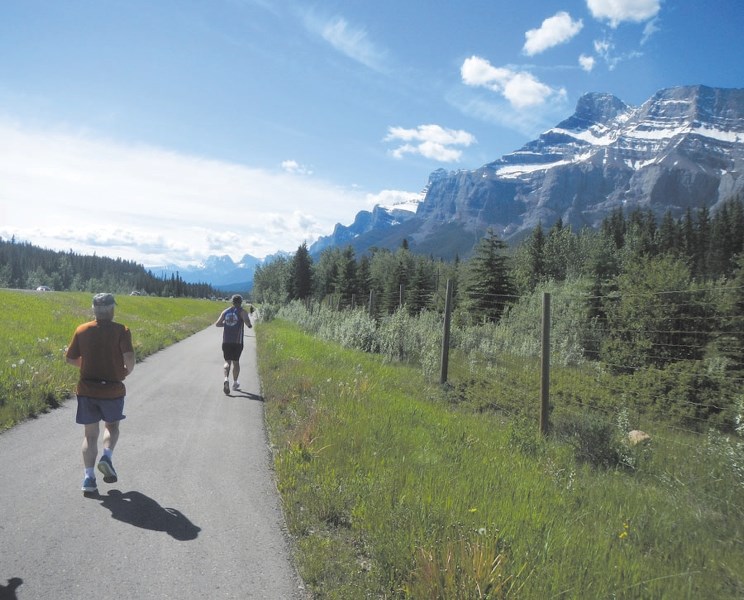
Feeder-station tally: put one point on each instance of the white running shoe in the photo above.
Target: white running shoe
(236, 386)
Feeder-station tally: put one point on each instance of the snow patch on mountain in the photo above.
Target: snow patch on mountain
(408, 202)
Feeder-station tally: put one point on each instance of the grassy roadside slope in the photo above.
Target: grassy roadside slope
(35, 329)
(392, 493)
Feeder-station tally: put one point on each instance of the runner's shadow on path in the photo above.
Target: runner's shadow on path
(7, 592)
(142, 511)
(243, 394)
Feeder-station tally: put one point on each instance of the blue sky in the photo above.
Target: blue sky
(166, 131)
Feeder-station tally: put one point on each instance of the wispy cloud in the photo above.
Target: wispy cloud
(522, 89)
(650, 29)
(605, 49)
(587, 62)
(430, 141)
(616, 12)
(292, 166)
(619, 11)
(150, 205)
(554, 30)
(351, 41)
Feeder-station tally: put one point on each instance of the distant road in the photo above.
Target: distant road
(195, 513)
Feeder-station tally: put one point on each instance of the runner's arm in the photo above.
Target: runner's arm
(129, 362)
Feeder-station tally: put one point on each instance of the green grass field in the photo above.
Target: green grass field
(35, 329)
(391, 492)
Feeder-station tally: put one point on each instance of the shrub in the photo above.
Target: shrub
(593, 437)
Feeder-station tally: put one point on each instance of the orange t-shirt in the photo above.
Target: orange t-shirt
(102, 345)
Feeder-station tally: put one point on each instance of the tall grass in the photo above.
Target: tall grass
(391, 491)
(35, 329)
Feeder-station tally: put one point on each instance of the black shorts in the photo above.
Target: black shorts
(232, 351)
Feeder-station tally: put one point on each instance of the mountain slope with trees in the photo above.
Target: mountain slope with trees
(638, 298)
(681, 149)
(25, 266)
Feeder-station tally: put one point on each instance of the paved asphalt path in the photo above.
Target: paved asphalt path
(195, 513)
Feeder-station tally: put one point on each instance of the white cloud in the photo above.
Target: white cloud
(618, 11)
(292, 166)
(430, 141)
(650, 29)
(586, 62)
(522, 89)
(353, 42)
(605, 49)
(63, 191)
(554, 30)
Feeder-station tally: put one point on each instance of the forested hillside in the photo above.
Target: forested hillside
(657, 308)
(25, 266)
(707, 247)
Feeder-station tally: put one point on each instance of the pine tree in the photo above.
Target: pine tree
(347, 277)
(421, 288)
(325, 273)
(668, 235)
(488, 288)
(535, 267)
(700, 257)
(301, 280)
(364, 279)
(615, 227)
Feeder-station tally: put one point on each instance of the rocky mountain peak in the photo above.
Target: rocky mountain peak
(682, 148)
(697, 106)
(594, 109)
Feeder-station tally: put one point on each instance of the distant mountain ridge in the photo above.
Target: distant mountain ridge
(381, 218)
(220, 272)
(682, 148)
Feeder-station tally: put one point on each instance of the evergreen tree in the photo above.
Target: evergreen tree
(301, 281)
(396, 281)
(720, 256)
(700, 256)
(737, 225)
(421, 288)
(668, 235)
(529, 261)
(325, 274)
(364, 279)
(689, 238)
(488, 287)
(347, 277)
(614, 227)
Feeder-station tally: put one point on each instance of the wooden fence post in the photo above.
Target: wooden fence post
(545, 365)
(446, 335)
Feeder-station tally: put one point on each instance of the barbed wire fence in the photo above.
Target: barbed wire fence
(675, 365)
(686, 351)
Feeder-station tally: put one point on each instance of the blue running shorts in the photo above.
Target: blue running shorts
(92, 410)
